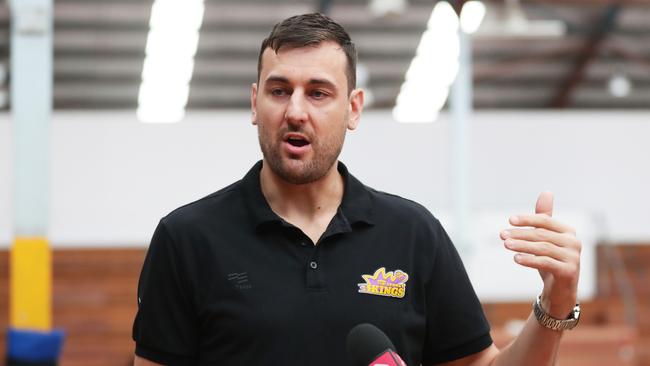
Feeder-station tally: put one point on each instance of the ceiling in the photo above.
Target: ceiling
(99, 51)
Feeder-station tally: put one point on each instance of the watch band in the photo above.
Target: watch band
(552, 323)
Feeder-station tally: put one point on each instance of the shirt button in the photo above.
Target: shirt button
(313, 265)
(303, 243)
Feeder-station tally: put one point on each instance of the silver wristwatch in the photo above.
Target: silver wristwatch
(555, 324)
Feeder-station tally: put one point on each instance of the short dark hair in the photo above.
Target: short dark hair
(310, 30)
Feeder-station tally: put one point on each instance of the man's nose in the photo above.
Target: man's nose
(296, 109)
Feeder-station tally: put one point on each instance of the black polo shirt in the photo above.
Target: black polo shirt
(226, 281)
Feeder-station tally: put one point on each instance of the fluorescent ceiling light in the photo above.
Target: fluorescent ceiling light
(169, 59)
(179, 14)
(153, 114)
(619, 85)
(162, 101)
(471, 16)
(385, 8)
(432, 70)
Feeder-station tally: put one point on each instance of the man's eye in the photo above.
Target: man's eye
(318, 94)
(278, 92)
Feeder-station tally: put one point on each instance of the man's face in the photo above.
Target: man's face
(302, 109)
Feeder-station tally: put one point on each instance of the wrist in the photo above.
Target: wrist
(557, 323)
(557, 309)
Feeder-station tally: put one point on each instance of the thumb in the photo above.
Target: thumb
(544, 203)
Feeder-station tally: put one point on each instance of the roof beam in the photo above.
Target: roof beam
(586, 55)
(589, 2)
(484, 71)
(581, 2)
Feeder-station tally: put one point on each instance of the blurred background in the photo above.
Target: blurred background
(474, 108)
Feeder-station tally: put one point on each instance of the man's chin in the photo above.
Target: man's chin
(298, 176)
(296, 171)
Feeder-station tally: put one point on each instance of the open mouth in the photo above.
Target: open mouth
(298, 142)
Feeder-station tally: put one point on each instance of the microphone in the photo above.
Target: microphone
(367, 345)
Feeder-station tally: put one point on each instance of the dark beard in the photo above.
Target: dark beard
(309, 171)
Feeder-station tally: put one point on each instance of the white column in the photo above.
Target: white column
(461, 112)
(31, 106)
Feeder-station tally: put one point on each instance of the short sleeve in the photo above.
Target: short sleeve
(165, 327)
(456, 324)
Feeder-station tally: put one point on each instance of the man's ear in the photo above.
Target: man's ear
(356, 107)
(254, 103)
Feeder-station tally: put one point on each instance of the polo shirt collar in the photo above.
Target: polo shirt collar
(356, 205)
(357, 201)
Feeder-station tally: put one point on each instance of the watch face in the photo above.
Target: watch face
(576, 312)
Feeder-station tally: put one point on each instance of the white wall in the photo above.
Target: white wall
(5, 171)
(113, 178)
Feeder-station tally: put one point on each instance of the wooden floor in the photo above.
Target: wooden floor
(95, 302)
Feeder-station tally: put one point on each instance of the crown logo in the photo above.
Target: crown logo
(382, 283)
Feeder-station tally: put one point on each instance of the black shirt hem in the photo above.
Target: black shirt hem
(163, 358)
(466, 349)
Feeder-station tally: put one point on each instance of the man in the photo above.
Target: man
(278, 267)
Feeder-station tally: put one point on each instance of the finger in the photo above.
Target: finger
(541, 249)
(541, 221)
(557, 268)
(536, 248)
(544, 203)
(542, 235)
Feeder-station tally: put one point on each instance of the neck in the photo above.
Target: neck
(309, 201)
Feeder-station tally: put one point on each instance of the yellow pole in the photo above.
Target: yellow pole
(30, 284)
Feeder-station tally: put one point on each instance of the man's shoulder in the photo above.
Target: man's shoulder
(398, 207)
(213, 206)
(402, 217)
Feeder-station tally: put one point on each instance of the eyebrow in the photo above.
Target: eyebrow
(282, 79)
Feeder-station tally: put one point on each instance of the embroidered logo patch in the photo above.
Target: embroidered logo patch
(239, 280)
(382, 283)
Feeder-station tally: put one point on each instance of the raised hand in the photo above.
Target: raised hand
(552, 248)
